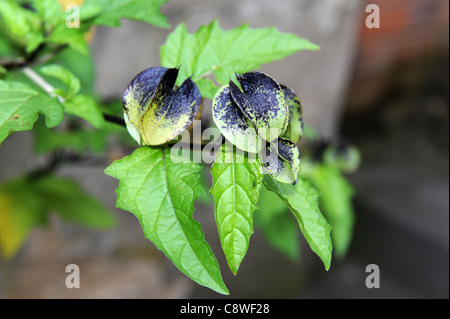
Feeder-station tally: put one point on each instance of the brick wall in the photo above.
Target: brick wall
(410, 32)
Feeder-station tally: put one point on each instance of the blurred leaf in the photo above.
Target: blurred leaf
(73, 37)
(50, 12)
(85, 107)
(20, 105)
(303, 201)
(335, 202)
(81, 140)
(222, 53)
(161, 193)
(67, 77)
(277, 225)
(16, 22)
(26, 203)
(236, 184)
(21, 209)
(65, 197)
(115, 10)
(81, 65)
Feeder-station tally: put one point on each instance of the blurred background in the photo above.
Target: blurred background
(385, 90)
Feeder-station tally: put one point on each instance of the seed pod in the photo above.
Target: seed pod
(156, 111)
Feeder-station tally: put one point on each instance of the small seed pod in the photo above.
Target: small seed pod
(156, 111)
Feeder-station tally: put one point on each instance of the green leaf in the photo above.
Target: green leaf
(17, 22)
(213, 50)
(50, 12)
(21, 209)
(73, 37)
(67, 77)
(277, 224)
(335, 202)
(20, 105)
(140, 10)
(161, 192)
(47, 140)
(85, 107)
(26, 203)
(236, 184)
(303, 201)
(72, 203)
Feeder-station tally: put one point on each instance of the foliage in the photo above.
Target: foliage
(258, 179)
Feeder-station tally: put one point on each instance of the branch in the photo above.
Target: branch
(41, 82)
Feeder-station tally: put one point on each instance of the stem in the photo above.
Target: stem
(40, 81)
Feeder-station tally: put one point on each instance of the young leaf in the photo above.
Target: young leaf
(213, 50)
(161, 193)
(20, 105)
(115, 10)
(303, 201)
(236, 184)
(335, 202)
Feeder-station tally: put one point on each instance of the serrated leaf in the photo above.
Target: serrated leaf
(213, 50)
(335, 202)
(263, 102)
(161, 194)
(20, 105)
(277, 224)
(140, 10)
(236, 184)
(232, 123)
(294, 130)
(303, 201)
